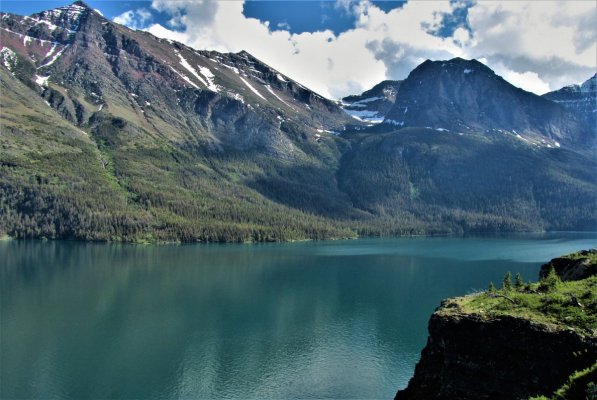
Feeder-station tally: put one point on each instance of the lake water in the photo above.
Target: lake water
(343, 319)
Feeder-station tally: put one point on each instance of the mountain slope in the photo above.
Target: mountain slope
(373, 104)
(579, 99)
(188, 149)
(469, 182)
(114, 134)
(466, 96)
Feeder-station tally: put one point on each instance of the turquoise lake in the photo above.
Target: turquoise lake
(338, 319)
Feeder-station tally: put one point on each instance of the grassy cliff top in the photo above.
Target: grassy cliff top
(551, 301)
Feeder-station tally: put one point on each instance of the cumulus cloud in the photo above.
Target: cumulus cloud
(536, 45)
(135, 19)
(550, 41)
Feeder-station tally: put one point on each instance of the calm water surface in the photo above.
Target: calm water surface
(340, 319)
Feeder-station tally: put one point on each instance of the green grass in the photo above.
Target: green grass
(561, 304)
(591, 256)
(580, 385)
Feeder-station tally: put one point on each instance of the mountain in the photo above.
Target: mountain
(91, 70)
(190, 140)
(579, 99)
(463, 96)
(113, 134)
(373, 104)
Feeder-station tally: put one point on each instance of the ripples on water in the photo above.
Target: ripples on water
(339, 319)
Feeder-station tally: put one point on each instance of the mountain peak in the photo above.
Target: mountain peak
(457, 64)
(461, 95)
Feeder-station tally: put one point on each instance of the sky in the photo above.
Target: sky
(344, 47)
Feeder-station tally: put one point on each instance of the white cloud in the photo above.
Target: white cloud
(528, 81)
(135, 19)
(555, 40)
(536, 45)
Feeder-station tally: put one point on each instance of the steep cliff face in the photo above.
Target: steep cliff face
(475, 357)
(509, 345)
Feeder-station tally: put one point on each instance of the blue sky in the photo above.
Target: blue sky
(342, 47)
(295, 16)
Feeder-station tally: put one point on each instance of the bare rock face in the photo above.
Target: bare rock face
(470, 357)
(572, 269)
(499, 356)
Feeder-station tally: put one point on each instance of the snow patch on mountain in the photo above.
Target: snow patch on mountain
(393, 122)
(189, 68)
(251, 87)
(365, 115)
(269, 89)
(8, 58)
(26, 39)
(209, 76)
(186, 78)
(368, 100)
(55, 57)
(42, 80)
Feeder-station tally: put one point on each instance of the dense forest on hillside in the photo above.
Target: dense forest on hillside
(113, 134)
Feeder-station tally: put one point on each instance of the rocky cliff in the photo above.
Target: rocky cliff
(510, 344)
(568, 268)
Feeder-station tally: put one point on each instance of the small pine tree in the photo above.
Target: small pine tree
(549, 282)
(491, 288)
(507, 282)
(518, 282)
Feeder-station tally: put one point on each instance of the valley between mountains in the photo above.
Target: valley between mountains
(113, 134)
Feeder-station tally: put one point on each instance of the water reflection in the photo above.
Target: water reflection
(331, 319)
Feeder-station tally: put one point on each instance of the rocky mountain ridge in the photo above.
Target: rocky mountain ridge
(178, 144)
(463, 96)
(87, 67)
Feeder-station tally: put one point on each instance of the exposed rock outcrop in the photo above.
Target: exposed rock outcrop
(472, 357)
(489, 354)
(572, 269)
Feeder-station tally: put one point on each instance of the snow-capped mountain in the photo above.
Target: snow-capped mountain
(114, 134)
(462, 96)
(372, 105)
(92, 70)
(579, 99)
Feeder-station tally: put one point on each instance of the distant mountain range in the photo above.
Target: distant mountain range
(113, 134)
(578, 99)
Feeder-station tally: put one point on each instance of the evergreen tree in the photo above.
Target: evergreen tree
(549, 282)
(491, 288)
(507, 282)
(518, 282)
